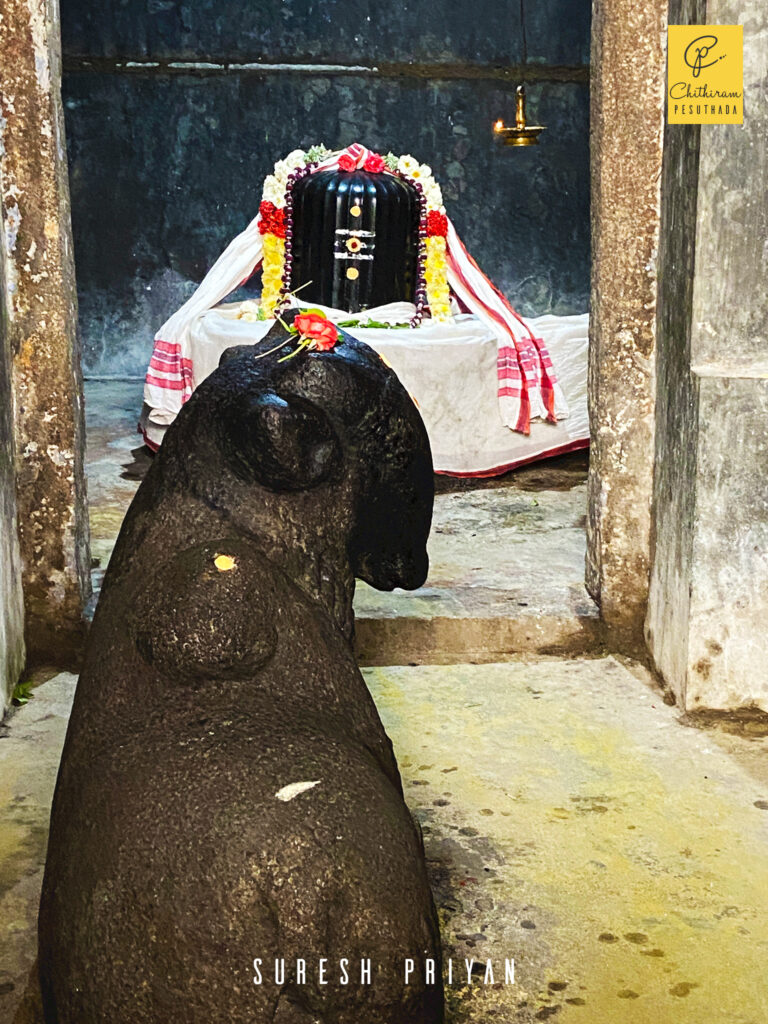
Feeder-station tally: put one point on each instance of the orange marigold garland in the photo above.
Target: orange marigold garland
(436, 266)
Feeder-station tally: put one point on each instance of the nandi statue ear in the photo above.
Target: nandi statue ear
(281, 443)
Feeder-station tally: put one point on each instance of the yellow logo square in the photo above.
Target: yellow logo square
(705, 74)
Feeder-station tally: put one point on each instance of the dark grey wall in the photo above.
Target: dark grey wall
(167, 161)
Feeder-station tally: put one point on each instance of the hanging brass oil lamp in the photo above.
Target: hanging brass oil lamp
(521, 133)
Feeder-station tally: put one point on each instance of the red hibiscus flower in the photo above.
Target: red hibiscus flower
(267, 211)
(375, 163)
(437, 224)
(319, 328)
(277, 223)
(347, 162)
(272, 219)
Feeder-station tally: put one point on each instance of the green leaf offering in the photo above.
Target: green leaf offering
(22, 694)
(376, 324)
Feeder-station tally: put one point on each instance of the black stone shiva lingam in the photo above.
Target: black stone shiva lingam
(355, 239)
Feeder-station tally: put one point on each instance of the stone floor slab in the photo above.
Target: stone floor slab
(31, 739)
(572, 821)
(506, 555)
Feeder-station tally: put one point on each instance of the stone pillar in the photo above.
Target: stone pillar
(707, 625)
(41, 322)
(11, 599)
(627, 125)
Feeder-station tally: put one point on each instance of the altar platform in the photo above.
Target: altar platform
(450, 370)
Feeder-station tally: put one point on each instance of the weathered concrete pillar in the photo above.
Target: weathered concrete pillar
(11, 600)
(627, 119)
(41, 323)
(707, 625)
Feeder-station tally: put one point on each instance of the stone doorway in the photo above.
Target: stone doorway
(516, 585)
(643, 345)
(622, 363)
(568, 813)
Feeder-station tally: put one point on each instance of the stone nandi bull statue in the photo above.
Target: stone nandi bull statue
(227, 791)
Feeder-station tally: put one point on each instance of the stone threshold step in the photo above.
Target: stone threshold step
(424, 630)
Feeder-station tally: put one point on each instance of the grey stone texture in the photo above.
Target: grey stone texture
(220, 686)
(727, 636)
(677, 412)
(506, 555)
(730, 314)
(31, 739)
(11, 597)
(329, 31)
(40, 324)
(627, 134)
(167, 162)
(506, 576)
(709, 593)
(570, 819)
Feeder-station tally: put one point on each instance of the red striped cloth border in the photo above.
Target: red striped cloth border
(526, 378)
(170, 370)
(514, 401)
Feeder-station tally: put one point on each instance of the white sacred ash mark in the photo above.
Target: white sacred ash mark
(295, 789)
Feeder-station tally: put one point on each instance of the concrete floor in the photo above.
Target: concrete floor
(572, 820)
(31, 739)
(507, 556)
